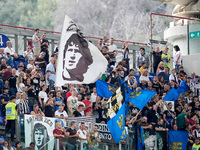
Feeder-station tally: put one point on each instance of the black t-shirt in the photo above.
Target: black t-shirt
(31, 92)
(157, 57)
(44, 47)
(178, 106)
(195, 109)
(168, 114)
(42, 65)
(157, 87)
(77, 114)
(12, 81)
(158, 126)
(72, 132)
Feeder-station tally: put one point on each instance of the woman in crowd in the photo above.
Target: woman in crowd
(42, 96)
(18, 146)
(177, 58)
(19, 84)
(7, 145)
(37, 111)
(125, 50)
(160, 68)
(49, 105)
(144, 78)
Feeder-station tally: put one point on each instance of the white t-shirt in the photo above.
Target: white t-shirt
(43, 95)
(30, 66)
(176, 56)
(82, 133)
(20, 88)
(31, 55)
(93, 98)
(9, 50)
(144, 78)
(61, 114)
(112, 47)
(73, 102)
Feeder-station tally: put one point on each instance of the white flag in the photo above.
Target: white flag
(79, 61)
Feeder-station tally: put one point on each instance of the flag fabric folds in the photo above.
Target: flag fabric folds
(174, 94)
(105, 89)
(78, 58)
(140, 98)
(140, 137)
(115, 112)
(177, 140)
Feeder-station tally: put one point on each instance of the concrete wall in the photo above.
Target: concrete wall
(191, 63)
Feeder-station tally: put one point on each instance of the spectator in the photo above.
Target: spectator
(94, 138)
(23, 107)
(160, 68)
(77, 113)
(58, 133)
(36, 42)
(196, 145)
(168, 116)
(72, 102)
(144, 79)
(12, 82)
(142, 58)
(4, 100)
(31, 65)
(177, 58)
(88, 104)
(125, 50)
(114, 77)
(113, 51)
(41, 62)
(131, 82)
(11, 116)
(173, 76)
(93, 95)
(61, 113)
(100, 44)
(83, 135)
(165, 58)
(131, 72)
(19, 84)
(156, 84)
(18, 146)
(7, 145)
(31, 146)
(57, 48)
(37, 111)
(165, 89)
(10, 53)
(142, 67)
(19, 70)
(44, 47)
(59, 100)
(28, 53)
(105, 40)
(72, 136)
(51, 68)
(49, 105)
(7, 73)
(150, 86)
(42, 97)
(159, 126)
(156, 56)
(182, 120)
(144, 123)
(31, 93)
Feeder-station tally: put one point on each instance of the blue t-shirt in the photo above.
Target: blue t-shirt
(59, 101)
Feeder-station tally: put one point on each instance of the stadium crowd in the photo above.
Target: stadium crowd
(28, 80)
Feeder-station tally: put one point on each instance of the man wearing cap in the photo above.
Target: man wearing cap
(11, 116)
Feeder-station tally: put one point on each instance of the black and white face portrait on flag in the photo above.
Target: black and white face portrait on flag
(79, 61)
(77, 58)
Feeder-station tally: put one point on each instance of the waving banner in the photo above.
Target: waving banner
(79, 61)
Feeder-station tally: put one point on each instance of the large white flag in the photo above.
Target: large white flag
(79, 61)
